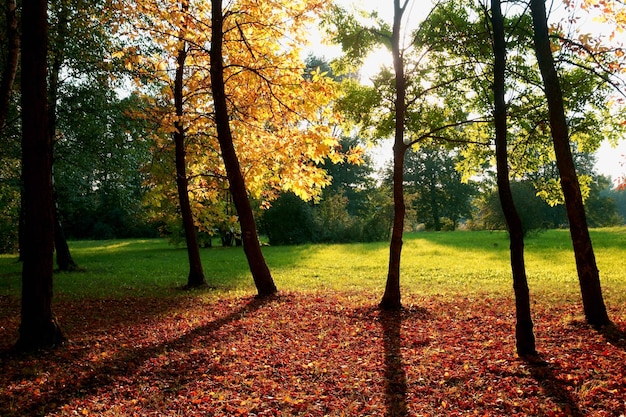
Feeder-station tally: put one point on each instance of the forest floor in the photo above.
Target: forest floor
(312, 354)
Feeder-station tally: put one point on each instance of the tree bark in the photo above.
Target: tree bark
(525, 338)
(38, 328)
(588, 274)
(251, 246)
(10, 65)
(392, 298)
(196, 273)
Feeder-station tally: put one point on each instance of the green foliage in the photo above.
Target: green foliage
(534, 212)
(352, 208)
(439, 196)
(292, 221)
(10, 167)
(289, 221)
(9, 215)
(100, 154)
(601, 206)
(458, 34)
(537, 214)
(619, 197)
(357, 34)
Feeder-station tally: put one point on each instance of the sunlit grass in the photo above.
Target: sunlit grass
(446, 263)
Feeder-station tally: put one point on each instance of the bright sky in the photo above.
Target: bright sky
(611, 160)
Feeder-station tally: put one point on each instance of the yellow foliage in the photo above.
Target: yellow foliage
(281, 122)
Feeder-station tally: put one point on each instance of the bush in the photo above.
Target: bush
(289, 221)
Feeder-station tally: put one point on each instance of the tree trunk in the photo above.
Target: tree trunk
(38, 328)
(525, 338)
(251, 246)
(196, 273)
(10, 65)
(434, 203)
(588, 274)
(65, 262)
(391, 298)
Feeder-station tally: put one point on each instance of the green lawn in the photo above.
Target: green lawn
(139, 346)
(444, 263)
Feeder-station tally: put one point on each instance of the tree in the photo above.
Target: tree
(600, 205)
(588, 274)
(525, 338)
(352, 180)
(278, 120)
(258, 267)
(391, 298)
(196, 274)
(358, 105)
(437, 186)
(11, 60)
(403, 104)
(38, 328)
(65, 262)
(535, 213)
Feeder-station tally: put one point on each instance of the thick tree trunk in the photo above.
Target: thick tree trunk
(196, 273)
(525, 338)
(588, 274)
(65, 262)
(10, 65)
(391, 298)
(251, 246)
(38, 328)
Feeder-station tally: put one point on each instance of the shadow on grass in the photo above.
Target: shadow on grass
(126, 362)
(395, 376)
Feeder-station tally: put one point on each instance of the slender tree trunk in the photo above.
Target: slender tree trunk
(196, 273)
(38, 328)
(525, 338)
(588, 274)
(391, 298)
(251, 246)
(65, 262)
(10, 65)
(434, 204)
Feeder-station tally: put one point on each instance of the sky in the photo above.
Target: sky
(611, 161)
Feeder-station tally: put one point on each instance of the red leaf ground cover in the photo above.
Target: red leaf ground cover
(312, 355)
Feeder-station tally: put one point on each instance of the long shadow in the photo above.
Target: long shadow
(85, 316)
(127, 362)
(554, 388)
(395, 376)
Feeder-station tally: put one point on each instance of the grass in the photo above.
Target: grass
(432, 263)
(141, 347)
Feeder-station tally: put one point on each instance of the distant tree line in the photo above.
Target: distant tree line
(101, 195)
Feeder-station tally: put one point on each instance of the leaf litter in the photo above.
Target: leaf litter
(313, 354)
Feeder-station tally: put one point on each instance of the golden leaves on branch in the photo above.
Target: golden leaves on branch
(282, 123)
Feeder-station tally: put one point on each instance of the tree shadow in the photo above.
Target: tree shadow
(395, 376)
(86, 316)
(126, 362)
(613, 335)
(554, 388)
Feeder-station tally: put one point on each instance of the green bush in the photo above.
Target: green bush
(289, 221)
